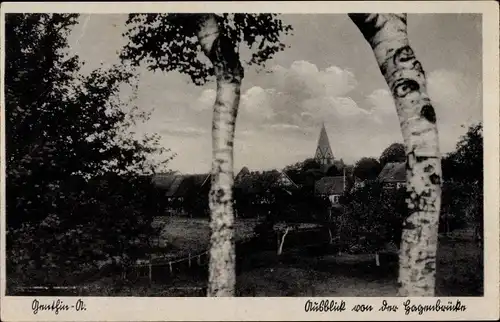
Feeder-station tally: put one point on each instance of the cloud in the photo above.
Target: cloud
(381, 102)
(304, 80)
(300, 96)
(456, 98)
(280, 116)
(184, 131)
(256, 103)
(205, 101)
(285, 127)
(457, 101)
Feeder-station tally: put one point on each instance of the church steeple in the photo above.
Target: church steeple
(324, 154)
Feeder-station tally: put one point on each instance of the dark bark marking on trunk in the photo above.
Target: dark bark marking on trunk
(408, 225)
(428, 113)
(421, 158)
(429, 168)
(403, 87)
(403, 55)
(435, 179)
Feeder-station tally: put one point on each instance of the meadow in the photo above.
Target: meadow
(305, 271)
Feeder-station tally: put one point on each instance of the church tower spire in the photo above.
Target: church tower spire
(324, 154)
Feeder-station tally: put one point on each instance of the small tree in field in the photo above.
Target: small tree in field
(177, 42)
(376, 216)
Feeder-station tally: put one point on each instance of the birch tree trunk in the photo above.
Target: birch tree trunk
(387, 35)
(229, 74)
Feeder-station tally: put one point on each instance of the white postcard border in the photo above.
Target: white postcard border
(225, 309)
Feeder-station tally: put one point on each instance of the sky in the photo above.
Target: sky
(328, 74)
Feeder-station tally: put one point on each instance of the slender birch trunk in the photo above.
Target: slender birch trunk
(330, 242)
(229, 74)
(377, 259)
(387, 35)
(280, 248)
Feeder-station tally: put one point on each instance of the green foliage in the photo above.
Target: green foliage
(168, 41)
(367, 169)
(463, 180)
(393, 153)
(466, 162)
(304, 172)
(374, 217)
(77, 186)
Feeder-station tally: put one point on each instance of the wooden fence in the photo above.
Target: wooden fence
(161, 269)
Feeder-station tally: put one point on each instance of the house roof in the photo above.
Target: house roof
(329, 186)
(178, 185)
(173, 189)
(252, 183)
(393, 172)
(164, 181)
(243, 172)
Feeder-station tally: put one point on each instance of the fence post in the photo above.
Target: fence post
(189, 260)
(150, 273)
(170, 267)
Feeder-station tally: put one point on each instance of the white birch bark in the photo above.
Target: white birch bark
(387, 35)
(229, 74)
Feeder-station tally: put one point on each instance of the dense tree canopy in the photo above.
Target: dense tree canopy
(169, 41)
(464, 180)
(77, 185)
(466, 162)
(393, 153)
(367, 169)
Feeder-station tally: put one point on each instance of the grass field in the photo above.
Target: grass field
(192, 235)
(459, 273)
(315, 271)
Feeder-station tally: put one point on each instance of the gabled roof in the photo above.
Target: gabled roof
(178, 185)
(200, 180)
(252, 183)
(283, 180)
(393, 172)
(329, 186)
(164, 181)
(243, 172)
(172, 190)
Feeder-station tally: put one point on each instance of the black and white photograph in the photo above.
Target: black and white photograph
(242, 153)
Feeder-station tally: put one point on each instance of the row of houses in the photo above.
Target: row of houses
(181, 190)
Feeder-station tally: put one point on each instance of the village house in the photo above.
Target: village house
(393, 175)
(331, 188)
(184, 193)
(255, 191)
